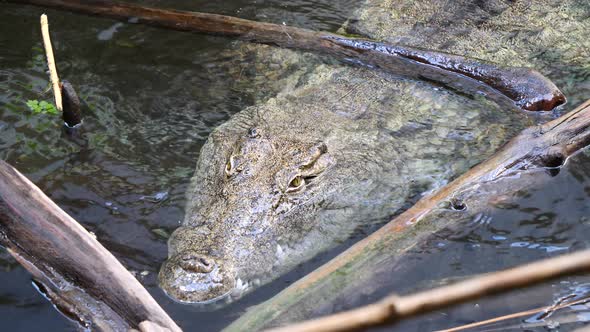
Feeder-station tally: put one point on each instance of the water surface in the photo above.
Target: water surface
(545, 220)
(151, 99)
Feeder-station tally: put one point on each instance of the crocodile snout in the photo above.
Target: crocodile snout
(194, 277)
(195, 263)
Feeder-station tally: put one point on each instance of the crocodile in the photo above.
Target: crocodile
(342, 149)
(285, 180)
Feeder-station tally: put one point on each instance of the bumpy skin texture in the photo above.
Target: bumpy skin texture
(382, 140)
(550, 36)
(285, 180)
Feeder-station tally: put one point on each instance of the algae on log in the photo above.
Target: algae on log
(529, 155)
(81, 278)
(522, 87)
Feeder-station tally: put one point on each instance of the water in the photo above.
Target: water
(548, 220)
(151, 98)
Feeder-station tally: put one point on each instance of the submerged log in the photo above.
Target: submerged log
(85, 281)
(508, 86)
(524, 160)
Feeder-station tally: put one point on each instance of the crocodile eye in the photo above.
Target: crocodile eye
(229, 167)
(253, 133)
(297, 183)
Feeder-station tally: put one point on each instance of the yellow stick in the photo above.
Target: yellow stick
(51, 62)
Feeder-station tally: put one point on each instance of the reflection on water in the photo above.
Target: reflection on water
(152, 97)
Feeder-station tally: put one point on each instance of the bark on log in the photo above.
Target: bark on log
(543, 147)
(72, 115)
(85, 281)
(508, 86)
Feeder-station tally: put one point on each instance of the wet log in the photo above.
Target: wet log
(526, 159)
(509, 86)
(72, 115)
(82, 278)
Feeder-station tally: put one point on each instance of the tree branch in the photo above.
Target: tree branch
(394, 308)
(508, 86)
(69, 265)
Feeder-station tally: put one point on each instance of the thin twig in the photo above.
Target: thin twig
(394, 308)
(551, 308)
(51, 62)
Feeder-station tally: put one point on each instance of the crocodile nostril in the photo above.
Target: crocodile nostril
(195, 263)
(195, 277)
(458, 205)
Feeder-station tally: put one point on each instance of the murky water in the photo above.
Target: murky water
(151, 98)
(547, 220)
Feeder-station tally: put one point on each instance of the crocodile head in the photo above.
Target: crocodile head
(254, 203)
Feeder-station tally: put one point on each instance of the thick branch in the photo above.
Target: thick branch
(395, 308)
(72, 268)
(522, 87)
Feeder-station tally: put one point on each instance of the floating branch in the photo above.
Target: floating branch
(394, 308)
(523, 87)
(83, 279)
(66, 99)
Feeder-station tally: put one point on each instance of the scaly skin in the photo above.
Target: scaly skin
(386, 140)
(282, 181)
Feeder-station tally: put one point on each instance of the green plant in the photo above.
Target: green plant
(42, 107)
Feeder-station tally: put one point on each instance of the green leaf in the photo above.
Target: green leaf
(53, 111)
(34, 106)
(42, 107)
(50, 109)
